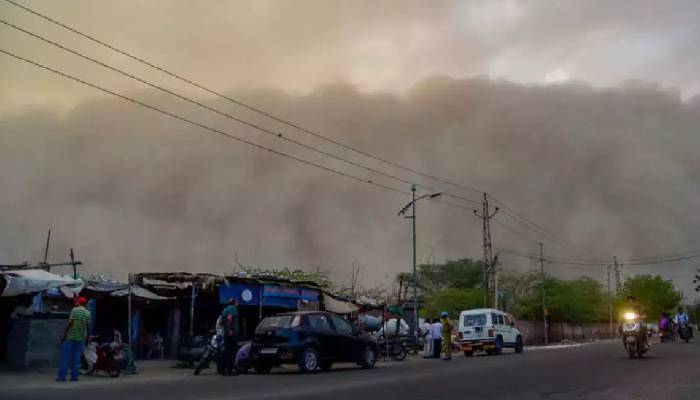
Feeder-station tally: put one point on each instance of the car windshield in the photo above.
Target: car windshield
(475, 320)
(280, 321)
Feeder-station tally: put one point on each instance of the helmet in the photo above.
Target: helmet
(444, 314)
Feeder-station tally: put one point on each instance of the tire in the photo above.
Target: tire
(399, 353)
(369, 357)
(519, 344)
(262, 368)
(468, 353)
(632, 350)
(115, 373)
(499, 346)
(308, 361)
(325, 365)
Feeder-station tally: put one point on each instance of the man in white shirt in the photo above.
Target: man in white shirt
(428, 337)
(437, 338)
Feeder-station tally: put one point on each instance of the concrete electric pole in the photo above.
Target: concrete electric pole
(489, 267)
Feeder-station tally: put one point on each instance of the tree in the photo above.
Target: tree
(577, 301)
(653, 293)
(453, 301)
(517, 287)
(459, 274)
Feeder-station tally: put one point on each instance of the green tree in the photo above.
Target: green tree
(517, 287)
(653, 293)
(459, 274)
(576, 301)
(453, 301)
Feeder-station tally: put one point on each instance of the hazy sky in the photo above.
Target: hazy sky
(377, 45)
(581, 114)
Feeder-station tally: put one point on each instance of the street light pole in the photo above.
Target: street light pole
(544, 304)
(415, 274)
(412, 206)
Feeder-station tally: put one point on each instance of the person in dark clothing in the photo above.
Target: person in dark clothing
(229, 320)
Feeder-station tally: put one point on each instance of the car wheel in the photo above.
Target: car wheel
(468, 353)
(369, 357)
(308, 361)
(262, 368)
(519, 344)
(499, 345)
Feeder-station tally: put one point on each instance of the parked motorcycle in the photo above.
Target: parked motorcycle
(632, 335)
(213, 352)
(393, 348)
(111, 358)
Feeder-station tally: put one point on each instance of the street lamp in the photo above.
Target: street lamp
(412, 205)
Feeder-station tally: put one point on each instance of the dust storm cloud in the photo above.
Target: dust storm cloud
(613, 170)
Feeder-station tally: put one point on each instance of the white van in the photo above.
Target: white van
(489, 330)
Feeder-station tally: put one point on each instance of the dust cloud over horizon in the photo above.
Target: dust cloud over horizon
(613, 170)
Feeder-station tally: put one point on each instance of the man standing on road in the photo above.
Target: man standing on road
(73, 340)
(229, 319)
(428, 337)
(437, 338)
(446, 335)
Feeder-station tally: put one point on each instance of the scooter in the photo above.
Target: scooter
(103, 357)
(214, 351)
(632, 336)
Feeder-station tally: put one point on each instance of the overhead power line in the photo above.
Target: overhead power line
(201, 125)
(530, 224)
(260, 128)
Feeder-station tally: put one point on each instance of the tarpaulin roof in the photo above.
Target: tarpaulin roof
(338, 306)
(138, 291)
(29, 281)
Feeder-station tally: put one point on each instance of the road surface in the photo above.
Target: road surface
(595, 371)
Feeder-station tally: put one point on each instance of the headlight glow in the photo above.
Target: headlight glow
(630, 316)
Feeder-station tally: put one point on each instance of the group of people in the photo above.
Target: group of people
(671, 326)
(438, 337)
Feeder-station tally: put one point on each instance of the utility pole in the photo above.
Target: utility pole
(46, 251)
(544, 301)
(74, 264)
(610, 313)
(489, 267)
(618, 281)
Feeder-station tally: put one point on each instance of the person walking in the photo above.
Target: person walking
(437, 338)
(446, 335)
(73, 340)
(428, 338)
(229, 319)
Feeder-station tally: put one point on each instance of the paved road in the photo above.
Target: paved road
(596, 371)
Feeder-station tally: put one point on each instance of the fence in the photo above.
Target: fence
(533, 332)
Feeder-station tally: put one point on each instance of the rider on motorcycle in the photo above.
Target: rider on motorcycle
(631, 305)
(681, 319)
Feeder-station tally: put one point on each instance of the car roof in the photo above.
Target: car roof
(300, 313)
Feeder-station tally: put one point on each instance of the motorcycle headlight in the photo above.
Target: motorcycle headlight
(630, 316)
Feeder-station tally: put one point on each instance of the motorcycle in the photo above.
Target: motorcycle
(214, 351)
(684, 332)
(393, 348)
(632, 335)
(108, 357)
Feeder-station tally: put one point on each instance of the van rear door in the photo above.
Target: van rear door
(473, 326)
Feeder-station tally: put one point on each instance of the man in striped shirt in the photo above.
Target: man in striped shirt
(73, 340)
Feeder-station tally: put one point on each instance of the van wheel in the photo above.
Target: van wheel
(468, 353)
(308, 361)
(519, 344)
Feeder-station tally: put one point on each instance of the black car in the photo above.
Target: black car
(310, 339)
